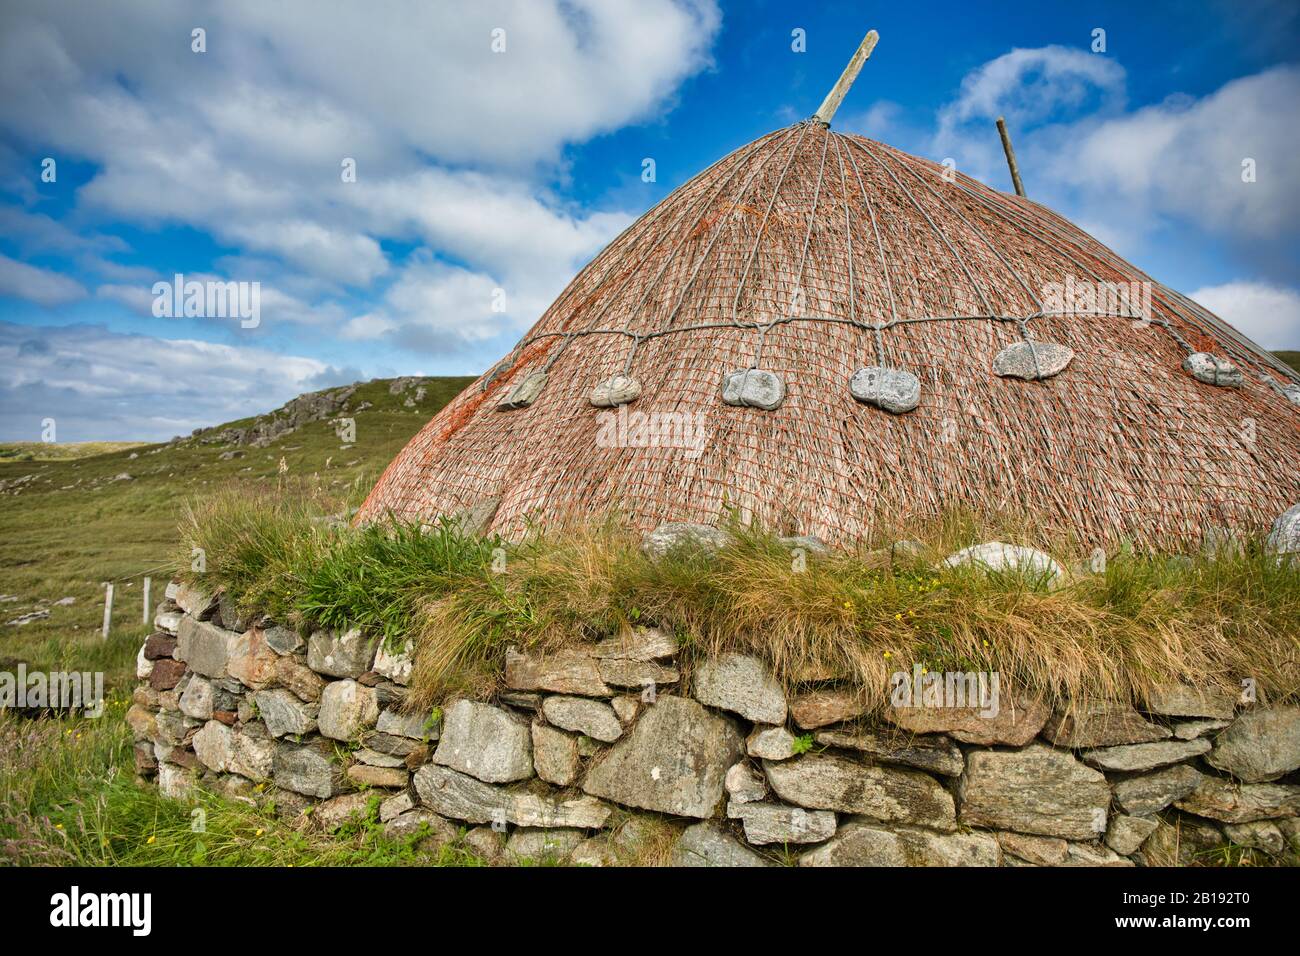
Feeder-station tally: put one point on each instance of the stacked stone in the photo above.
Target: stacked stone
(584, 737)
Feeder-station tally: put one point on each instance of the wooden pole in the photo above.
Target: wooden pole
(147, 581)
(841, 87)
(1011, 157)
(108, 608)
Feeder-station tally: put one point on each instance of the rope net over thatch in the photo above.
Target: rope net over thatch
(809, 255)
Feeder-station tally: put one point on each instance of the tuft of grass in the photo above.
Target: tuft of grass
(861, 615)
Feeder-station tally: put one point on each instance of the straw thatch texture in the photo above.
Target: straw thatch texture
(899, 267)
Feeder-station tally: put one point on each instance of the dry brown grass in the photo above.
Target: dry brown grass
(1147, 620)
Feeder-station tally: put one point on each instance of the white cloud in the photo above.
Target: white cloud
(42, 286)
(1268, 314)
(245, 141)
(104, 385)
(1127, 176)
(1182, 158)
(435, 307)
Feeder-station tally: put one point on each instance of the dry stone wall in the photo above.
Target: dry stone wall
(586, 745)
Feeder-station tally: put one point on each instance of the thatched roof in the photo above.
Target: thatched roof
(903, 265)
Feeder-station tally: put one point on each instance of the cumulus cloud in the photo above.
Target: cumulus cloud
(1183, 158)
(1269, 314)
(246, 140)
(98, 384)
(42, 286)
(1133, 171)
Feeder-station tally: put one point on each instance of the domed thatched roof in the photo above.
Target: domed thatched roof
(810, 254)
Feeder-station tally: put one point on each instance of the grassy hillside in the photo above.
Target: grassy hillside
(50, 451)
(70, 522)
(1291, 358)
(68, 525)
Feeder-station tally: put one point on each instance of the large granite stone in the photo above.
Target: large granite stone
(349, 654)
(1034, 790)
(743, 685)
(583, 715)
(1231, 802)
(932, 752)
(1183, 700)
(284, 713)
(205, 647)
(997, 557)
(213, 744)
(1261, 745)
(1125, 834)
(252, 662)
(555, 755)
(820, 708)
(766, 823)
(1088, 724)
(1017, 722)
(462, 797)
(308, 769)
(486, 742)
(252, 753)
(893, 794)
(566, 670)
(305, 683)
(868, 843)
(1152, 792)
(1160, 753)
(346, 709)
(709, 844)
(673, 760)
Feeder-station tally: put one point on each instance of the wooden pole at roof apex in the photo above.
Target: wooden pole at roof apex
(841, 87)
(1011, 157)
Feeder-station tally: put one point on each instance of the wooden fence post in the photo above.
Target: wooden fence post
(108, 607)
(147, 582)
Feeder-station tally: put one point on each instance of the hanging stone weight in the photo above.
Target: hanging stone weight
(619, 390)
(525, 393)
(754, 388)
(1032, 360)
(1212, 370)
(1292, 392)
(889, 388)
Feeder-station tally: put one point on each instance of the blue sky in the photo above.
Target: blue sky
(479, 171)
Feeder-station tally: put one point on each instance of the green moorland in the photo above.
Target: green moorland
(67, 525)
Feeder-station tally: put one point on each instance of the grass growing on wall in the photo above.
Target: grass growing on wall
(1147, 619)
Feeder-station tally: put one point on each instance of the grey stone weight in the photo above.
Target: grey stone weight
(1032, 360)
(612, 392)
(525, 393)
(889, 388)
(1213, 370)
(1284, 536)
(753, 387)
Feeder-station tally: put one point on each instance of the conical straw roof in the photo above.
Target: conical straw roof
(807, 256)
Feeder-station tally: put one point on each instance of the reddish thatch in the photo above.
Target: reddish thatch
(899, 267)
